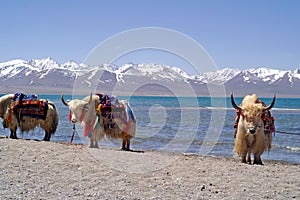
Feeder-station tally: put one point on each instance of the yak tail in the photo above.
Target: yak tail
(54, 117)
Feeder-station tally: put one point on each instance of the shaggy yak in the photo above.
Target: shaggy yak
(113, 120)
(251, 136)
(28, 114)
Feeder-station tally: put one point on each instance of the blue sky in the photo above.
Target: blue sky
(239, 34)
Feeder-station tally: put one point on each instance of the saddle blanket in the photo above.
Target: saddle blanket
(29, 106)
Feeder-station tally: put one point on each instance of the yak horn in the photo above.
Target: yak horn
(91, 98)
(272, 104)
(63, 100)
(234, 104)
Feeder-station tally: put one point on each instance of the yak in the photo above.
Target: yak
(251, 136)
(100, 120)
(19, 114)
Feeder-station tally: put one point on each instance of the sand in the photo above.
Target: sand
(48, 170)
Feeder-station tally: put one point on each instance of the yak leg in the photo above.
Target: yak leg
(244, 158)
(125, 142)
(96, 144)
(249, 158)
(13, 134)
(244, 155)
(249, 155)
(257, 160)
(47, 136)
(93, 143)
(128, 143)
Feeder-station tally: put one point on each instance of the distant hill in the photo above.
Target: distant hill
(48, 76)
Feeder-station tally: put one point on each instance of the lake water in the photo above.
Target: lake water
(200, 125)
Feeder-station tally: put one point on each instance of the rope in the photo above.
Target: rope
(284, 132)
(72, 137)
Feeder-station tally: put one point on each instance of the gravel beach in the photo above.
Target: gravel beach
(47, 170)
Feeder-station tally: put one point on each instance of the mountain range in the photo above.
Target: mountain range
(48, 76)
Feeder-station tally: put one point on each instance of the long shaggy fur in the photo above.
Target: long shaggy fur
(247, 143)
(92, 102)
(27, 124)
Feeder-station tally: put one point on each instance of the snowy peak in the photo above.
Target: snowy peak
(12, 62)
(49, 73)
(218, 77)
(264, 74)
(152, 70)
(44, 64)
(296, 74)
(253, 75)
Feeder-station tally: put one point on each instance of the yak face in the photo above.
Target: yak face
(81, 110)
(251, 111)
(5, 102)
(78, 109)
(251, 116)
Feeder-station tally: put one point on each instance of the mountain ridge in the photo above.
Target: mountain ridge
(47, 75)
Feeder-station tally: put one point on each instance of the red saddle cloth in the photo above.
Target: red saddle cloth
(29, 106)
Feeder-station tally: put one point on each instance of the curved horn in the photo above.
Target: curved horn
(272, 103)
(234, 104)
(63, 100)
(91, 98)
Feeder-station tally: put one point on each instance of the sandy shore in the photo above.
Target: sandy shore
(47, 170)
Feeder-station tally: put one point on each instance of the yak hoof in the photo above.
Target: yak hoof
(258, 162)
(46, 139)
(13, 136)
(125, 149)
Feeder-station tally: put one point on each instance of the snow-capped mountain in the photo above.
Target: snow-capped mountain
(262, 81)
(219, 77)
(249, 76)
(49, 76)
(151, 71)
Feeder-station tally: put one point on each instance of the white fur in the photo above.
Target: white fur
(247, 143)
(92, 102)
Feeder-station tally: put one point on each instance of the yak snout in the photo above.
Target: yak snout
(252, 130)
(73, 118)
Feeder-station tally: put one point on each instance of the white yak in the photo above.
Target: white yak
(119, 122)
(251, 136)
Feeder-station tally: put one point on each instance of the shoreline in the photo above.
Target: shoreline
(227, 95)
(51, 170)
(233, 157)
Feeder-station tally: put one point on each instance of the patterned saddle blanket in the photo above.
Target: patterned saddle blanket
(30, 106)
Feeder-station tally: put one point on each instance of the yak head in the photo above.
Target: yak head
(251, 112)
(5, 102)
(82, 110)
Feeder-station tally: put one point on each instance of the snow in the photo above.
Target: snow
(219, 76)
(267, 75)
(44, 64)
(296, 73)
(41, 67)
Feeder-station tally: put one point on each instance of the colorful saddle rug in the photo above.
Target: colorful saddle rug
(108, 110)
(29, 106)
(108, 104)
